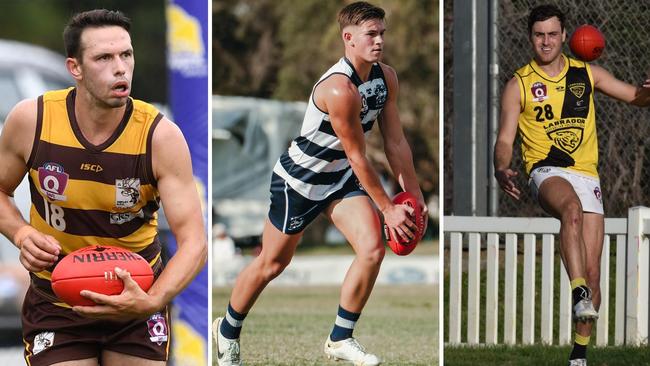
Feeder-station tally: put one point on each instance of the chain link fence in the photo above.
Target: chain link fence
(623, 130)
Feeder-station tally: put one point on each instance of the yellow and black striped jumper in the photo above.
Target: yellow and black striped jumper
(557, 122)
(85, 194)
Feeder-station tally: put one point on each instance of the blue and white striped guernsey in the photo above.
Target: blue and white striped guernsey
(315, 164)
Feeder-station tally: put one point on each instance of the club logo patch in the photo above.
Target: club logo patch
(577, 89)
(598, 194)
(43, 341)
(157, 326)
(359, 185)
(567, 139)
(566, 133)
(127, 192)
(53, 181)
(539, 92)
(295, 222)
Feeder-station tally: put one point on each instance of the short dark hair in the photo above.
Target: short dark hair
(356, 13)
(91, 18)
(542, 13)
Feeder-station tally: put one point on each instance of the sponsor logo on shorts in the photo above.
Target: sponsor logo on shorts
(539, 92)
(43, 341)
(53, 181)
(127, 192)
(157, 326)
(296, 222)
(544, 170)
(598, 194)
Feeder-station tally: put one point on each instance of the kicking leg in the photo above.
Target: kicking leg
(557, 197)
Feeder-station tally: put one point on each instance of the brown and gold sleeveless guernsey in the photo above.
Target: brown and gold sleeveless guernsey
(83, 194)
(557, 122)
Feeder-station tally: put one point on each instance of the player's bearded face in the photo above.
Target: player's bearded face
(547, 38)
(368, 39)
(107, 67)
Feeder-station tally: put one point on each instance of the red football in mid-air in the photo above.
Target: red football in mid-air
(397, 245)
(587, 43)
(93, 268)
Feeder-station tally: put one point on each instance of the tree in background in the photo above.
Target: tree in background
(278, 49)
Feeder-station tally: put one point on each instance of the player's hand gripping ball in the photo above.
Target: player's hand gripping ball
(93, 268)
(587, 43)
(397, 245)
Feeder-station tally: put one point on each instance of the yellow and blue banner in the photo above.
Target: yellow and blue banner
(187, 65)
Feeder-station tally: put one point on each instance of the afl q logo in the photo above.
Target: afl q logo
(539, 92)
(53, 181)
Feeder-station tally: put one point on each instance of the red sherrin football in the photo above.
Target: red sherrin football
(587, 43)
(396, 244)
(93, 268)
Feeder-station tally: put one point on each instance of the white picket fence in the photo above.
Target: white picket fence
(632, 282)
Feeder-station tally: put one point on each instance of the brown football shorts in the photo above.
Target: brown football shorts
(55, 334)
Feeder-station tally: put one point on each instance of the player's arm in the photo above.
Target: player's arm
(340, 98)
(37, 251)
(173, 170)
(398, 151)
(508, 121)
(615, 88)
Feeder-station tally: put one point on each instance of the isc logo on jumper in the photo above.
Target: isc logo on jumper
(91, 167)
(53, 181)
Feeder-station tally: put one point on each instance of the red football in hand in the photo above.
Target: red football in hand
(587, 43)
(93, 268)
(397, 245)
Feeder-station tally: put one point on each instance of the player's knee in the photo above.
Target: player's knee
(572, 214)
(374, 256)
(273, 269)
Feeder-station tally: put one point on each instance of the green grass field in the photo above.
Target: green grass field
(289, 325)
(537, 354)
(543, 355)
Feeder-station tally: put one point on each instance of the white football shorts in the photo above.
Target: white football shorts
(586, 187)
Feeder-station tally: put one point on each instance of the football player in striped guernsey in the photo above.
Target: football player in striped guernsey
(99, 163)
(326, 171)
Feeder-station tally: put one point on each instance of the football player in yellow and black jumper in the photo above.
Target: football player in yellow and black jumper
(550, 101)
(99, 163)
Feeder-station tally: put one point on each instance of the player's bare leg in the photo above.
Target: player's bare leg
(110, 358)
(357, 219)
(558, 198)
(84, 362)
(277, 250)
(593, 234)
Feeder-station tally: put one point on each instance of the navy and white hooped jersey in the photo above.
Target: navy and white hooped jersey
(315, 164)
